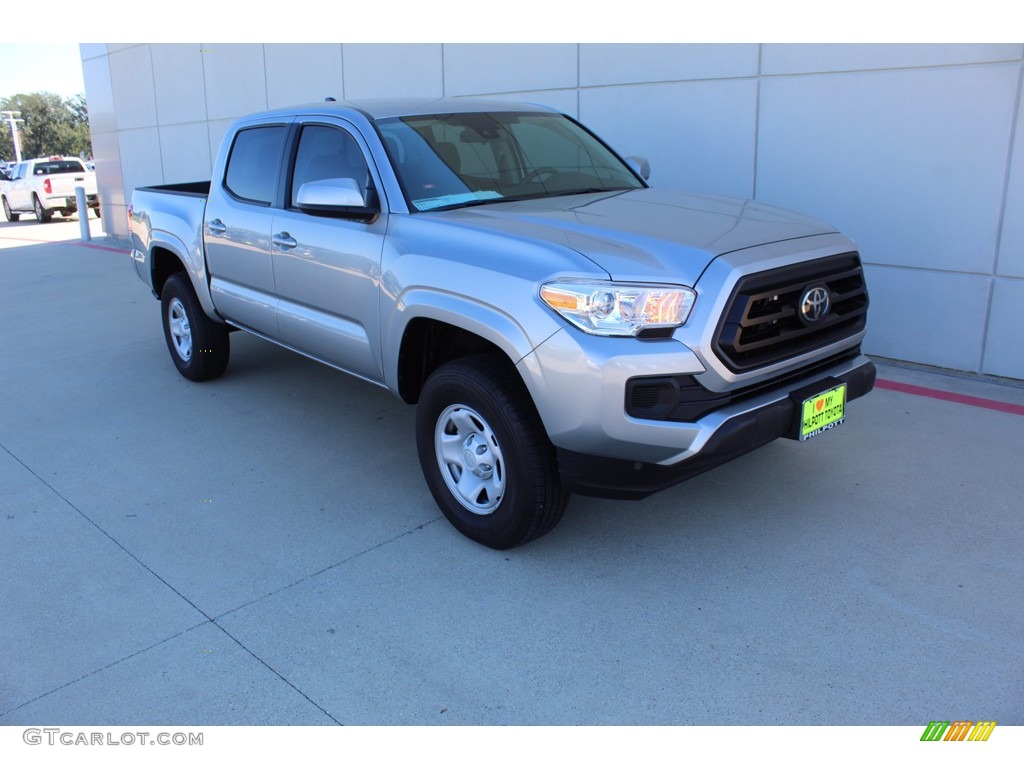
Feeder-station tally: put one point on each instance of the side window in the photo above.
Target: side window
(254, 162)
(328, 153)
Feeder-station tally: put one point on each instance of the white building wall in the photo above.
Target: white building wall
(916, 151)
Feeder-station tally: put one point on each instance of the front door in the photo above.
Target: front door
(327, 268)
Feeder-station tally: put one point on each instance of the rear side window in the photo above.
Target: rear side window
(254, 163)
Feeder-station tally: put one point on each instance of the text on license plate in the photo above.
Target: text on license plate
(822, 412)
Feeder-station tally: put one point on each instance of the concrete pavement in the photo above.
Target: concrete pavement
(262, 549)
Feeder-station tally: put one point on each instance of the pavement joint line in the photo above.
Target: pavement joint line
(105, 533)
(305, 578)
(209, 619)
(162, 642)
(281, 677)
(327, 568)
(952, 397)
(105, 668)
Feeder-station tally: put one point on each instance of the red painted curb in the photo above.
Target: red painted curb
(98, 247)
(952, 397)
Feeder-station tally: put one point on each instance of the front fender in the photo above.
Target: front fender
(493, 324)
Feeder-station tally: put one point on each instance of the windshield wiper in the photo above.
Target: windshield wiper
(466, 204)
(488, 201)
(586, 191)
(531, 196)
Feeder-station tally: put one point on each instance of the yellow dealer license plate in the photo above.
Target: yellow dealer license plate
(823, 412)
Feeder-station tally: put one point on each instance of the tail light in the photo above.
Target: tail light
(47, 187)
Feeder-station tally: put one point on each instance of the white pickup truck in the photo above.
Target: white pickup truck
(46, 185)
(562, 326)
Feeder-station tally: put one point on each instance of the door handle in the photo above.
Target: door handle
(216, 227)
(284, 240)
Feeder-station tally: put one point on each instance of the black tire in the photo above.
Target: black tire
(42, 215)
(199, 346)
(96, 210)
(481, 409)
(8, 213)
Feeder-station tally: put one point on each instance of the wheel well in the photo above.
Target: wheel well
(429, 344)
(164, 263)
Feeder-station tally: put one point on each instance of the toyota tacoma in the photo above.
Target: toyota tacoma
(562, 326)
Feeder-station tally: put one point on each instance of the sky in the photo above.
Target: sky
(31, 67)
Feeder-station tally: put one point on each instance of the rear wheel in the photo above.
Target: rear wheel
(42, 215)
(199, 346)
(8, 213)
(485, 455)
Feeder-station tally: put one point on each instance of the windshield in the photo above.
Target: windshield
(451, 161)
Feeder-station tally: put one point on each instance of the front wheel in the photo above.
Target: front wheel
(485, 455)
(8, 213)
(199, 346)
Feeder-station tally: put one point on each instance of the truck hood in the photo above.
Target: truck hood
(644, 234)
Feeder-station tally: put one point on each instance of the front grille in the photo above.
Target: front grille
(763, 325)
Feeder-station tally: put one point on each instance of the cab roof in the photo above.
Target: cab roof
(378, 109)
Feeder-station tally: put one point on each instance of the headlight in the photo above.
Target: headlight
(618, 309)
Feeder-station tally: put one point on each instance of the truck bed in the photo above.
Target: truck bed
(188, 188)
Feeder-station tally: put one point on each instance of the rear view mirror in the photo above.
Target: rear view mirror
(641, 166)
(340, 197)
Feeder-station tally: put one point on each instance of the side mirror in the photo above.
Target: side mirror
(338, 197)
(640, 165)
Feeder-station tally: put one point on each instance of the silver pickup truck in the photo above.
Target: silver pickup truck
(562, 326)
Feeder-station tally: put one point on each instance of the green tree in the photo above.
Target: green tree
(53, 126)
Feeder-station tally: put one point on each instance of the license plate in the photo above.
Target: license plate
(822, 412)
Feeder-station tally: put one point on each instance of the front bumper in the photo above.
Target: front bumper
(579, 385)
(738, 433)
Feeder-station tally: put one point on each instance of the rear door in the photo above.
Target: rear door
(327, 267)
(237, 225)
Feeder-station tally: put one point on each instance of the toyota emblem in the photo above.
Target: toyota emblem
(815, 304)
